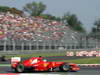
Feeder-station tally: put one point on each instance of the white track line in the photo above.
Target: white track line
(25, 74)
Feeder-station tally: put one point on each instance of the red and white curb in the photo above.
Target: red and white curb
(25, 74)
(89, 65)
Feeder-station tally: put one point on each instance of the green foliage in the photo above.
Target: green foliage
(41, 53)
(79, 28)
(72, 20)
(50, 17)
(93, 29)
(4, 8)
(95, 32)
(11, 10)
(34, 9)
(97, 23)
(87, 61)
(15, 11)
(96, 27)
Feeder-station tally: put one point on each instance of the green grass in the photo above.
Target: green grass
(38, 54)
(7, 65)
(85, 61)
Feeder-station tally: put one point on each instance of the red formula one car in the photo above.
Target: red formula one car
(39, 64)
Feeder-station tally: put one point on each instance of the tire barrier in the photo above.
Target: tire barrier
(3, 58)
(83, 53)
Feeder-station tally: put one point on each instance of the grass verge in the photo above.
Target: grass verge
(77, 61)
(85, 61)
(36, 54)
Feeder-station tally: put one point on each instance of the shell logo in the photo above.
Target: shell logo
(53, 64)
(45, 64)
(30, 60)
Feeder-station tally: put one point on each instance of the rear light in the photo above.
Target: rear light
(76, 69)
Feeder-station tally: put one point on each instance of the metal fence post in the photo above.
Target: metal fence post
(4, 45)
(22, 46)
(13, 45)
(30, 45)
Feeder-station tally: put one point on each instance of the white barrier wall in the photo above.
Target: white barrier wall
(83, 53)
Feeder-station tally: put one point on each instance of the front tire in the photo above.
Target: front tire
(64, 67)
(20, 68)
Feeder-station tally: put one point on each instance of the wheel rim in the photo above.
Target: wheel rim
(66, 67)
(20, 68)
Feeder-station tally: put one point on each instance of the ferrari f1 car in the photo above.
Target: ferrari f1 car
(39, 64)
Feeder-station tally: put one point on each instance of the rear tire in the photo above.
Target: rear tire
(19, 68)
(64, 67)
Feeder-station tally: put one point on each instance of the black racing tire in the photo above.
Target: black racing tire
(65, 67)
(20, 68)
(51, 70)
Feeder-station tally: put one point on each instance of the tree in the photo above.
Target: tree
(72, 21)
(96, 29)
(34, 9)
(11, 10)
(4, 8)
(15, 11)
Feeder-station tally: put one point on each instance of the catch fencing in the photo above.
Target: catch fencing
(77, 41)
(22, 45)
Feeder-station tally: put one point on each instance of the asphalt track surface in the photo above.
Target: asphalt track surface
(83, 71)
